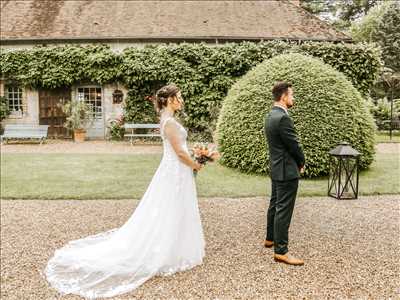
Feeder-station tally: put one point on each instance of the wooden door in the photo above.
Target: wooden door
(52, 115)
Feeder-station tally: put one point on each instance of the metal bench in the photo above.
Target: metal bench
(24, 131)
(130, 130)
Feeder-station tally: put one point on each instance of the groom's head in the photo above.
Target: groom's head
(283, 93)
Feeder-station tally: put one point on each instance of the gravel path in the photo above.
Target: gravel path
(351, 249)
(388, 148)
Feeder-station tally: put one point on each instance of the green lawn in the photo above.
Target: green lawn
(117, 176)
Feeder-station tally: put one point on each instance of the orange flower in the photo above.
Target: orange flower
(197, 151)
(204, 152)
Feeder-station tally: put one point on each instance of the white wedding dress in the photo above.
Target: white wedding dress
(164, 235)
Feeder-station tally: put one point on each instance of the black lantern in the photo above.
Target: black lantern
(118, 96)
(343, 174)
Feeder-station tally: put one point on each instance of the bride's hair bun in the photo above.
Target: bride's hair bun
(163, 94)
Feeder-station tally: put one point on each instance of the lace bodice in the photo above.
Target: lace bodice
(169, 152)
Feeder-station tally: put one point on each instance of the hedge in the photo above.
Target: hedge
(204, 72)
(328, 110)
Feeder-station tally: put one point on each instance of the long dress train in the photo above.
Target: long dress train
(164, 235)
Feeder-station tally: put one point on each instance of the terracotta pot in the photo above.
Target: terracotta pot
(79, 135)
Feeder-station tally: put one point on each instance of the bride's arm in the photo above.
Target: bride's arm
(171, 131)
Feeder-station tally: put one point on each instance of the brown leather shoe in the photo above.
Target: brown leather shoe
(288, 259)
(268, 244)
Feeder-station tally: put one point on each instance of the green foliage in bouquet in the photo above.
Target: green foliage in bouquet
(328, 110)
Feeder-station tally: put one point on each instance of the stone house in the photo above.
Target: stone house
(121, 24)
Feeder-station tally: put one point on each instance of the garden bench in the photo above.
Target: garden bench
(130, 130)
(24, 131)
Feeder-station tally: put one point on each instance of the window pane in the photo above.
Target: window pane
(14, 96)
(92, 96)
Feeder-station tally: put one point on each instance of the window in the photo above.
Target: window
(14, 97)
(92, 96)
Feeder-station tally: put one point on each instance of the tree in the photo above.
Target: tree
(319, 8)
(382, 26)
(339, 13)
(350, 10)
(387, 35)
(362, 30)
(391, 84)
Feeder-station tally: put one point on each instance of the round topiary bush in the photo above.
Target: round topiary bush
(327, 110)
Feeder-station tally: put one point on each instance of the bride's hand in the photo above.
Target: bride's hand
(197, 166)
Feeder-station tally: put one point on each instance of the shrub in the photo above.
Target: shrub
(79, 115)
(116, 128)
(328, 110)
(205, 73)
(381, 112)
(4, 110)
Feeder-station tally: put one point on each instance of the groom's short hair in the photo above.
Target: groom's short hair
(280, 88)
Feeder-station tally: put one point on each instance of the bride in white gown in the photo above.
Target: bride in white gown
(164, 235)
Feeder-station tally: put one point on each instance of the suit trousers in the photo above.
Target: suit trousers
(280, 213)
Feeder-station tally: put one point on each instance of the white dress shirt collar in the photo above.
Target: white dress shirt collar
(284, 108)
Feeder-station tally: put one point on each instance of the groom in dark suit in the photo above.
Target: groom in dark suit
(286, 164)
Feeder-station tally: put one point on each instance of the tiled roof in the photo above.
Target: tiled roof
(102, 19)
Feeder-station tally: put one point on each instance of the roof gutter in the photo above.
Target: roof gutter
(143, 39)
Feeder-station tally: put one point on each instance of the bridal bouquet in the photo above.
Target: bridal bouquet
(204, 153)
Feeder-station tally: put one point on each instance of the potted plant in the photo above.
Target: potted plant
(4, 110)
(116, 127)
(79, 118)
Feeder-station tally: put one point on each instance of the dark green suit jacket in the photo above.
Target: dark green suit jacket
(285, 154)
